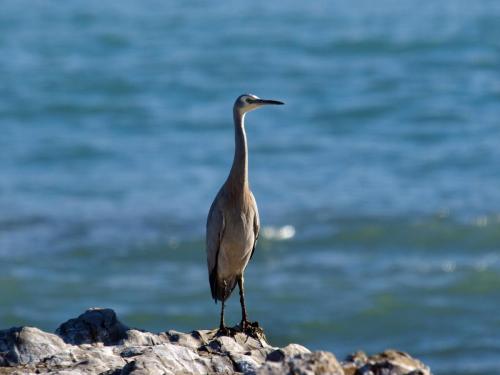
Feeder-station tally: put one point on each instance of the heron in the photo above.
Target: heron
(233, 220)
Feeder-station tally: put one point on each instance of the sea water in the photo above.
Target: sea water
(378, 182)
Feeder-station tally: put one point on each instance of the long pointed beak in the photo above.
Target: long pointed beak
(267, 101)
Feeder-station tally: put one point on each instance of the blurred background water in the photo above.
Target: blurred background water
(378, 182)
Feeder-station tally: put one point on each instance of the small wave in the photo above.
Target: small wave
(482, 221)
(281, 233)
(449, 266)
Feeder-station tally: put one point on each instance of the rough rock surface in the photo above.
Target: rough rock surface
(98, 343)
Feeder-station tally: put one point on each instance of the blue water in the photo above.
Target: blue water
(377, 184)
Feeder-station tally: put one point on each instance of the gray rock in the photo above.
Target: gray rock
(23, 345)
(193, 340)
(290, 350)
(170, 359)
(94, 325)
(304, 364)
(389, 362)
(245, 363)
(134, 337)
(98, 343)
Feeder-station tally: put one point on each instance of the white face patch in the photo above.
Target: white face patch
(248, 98)
(245, 103)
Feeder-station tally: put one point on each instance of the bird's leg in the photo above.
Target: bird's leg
(251, 329)
(223, 330)
(221, 325)
(244, 320)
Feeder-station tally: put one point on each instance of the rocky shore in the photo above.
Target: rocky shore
(98, 343)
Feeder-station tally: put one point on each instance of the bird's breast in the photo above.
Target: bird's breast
(238, 232)
(236, 246)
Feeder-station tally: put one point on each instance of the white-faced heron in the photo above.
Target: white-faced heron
(233, 219)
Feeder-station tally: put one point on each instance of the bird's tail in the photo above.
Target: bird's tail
(221, 289)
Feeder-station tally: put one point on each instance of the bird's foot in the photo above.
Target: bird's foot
(252, 329)
(225, 331)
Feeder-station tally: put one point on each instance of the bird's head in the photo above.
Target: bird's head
(248, 102)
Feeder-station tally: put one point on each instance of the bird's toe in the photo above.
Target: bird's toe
(225, 331)
(252, 329)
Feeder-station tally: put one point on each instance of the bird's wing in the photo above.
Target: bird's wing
(256, 224)
(215, 230)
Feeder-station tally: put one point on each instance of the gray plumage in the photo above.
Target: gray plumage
(233, 220)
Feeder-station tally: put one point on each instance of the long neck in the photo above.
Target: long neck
(238, 176)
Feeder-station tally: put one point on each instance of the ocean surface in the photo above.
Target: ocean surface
(378, 182)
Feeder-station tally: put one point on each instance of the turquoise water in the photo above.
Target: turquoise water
(378, 182)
